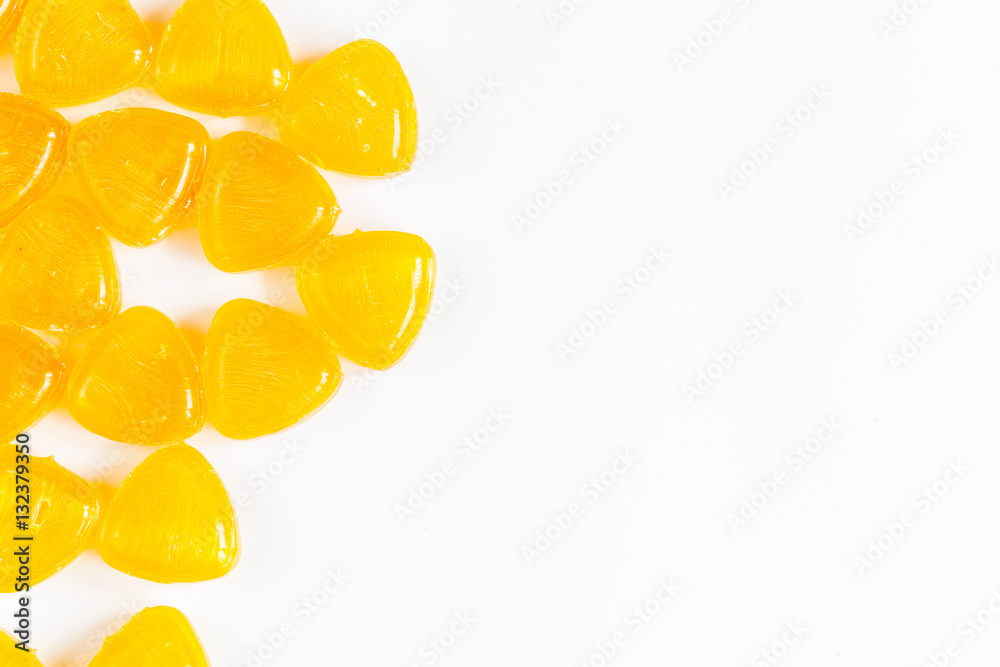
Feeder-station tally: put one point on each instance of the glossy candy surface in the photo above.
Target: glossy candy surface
(155, 637)
(223, 57)
(265, 369)
(171, 520)
(11, 656)
(63, 515)
(369, 292)
(353, 112)
(32, 377)
(10, 15)
(261, 204)
(32, 152)
(57, 271)
(140, 169)
(76, 51)
(138, 382)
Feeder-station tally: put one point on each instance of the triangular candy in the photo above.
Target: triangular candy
(265, 369)
(369, 292)
(138, 381)
(171, 520)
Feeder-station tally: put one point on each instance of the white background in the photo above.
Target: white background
(519, 294)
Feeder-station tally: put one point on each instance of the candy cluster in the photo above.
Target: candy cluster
(138, 174)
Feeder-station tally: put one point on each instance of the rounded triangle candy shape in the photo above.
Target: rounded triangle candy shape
(369, 292)
(171, 520)
(63, 516)
(261, 204)
(77, 51)
(32, 152)
(155, 637)
(265, 369)
(57, 270)
(138, 381)
(223, 57)
(140, 169)
(32, 379)
(353, 112)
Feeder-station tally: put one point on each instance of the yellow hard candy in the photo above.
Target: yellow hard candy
(171, 520)
(155, 637)
(57, 270)
(32, 377)
(369, 292)
(10, 15)
(137, 381)
(353, 112)
(32, 152)
(11, 656)
(140, 169)
(223, 57)
(261, 204)
(265, 369)
(62, 517)
(76, 51)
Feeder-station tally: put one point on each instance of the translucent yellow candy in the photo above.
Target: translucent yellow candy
(171, 520)
(137, 381)
(369, 292)
(32, 152)
(261, 204)
(57, 271)
(140, 169)
(76, 51)
(62, 517)
(155, 637)
(10, 15)
(265, 369)
(10, 656)
(223, 57)
(31, 380)
(353, 112)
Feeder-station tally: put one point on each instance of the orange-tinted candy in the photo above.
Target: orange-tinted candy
(140, 169)
(11, 656)
(353, 112)
(369, 292)
(265, 369)
(261, 204)
(32, 152)
(77, 51)
(138, 382)
(223, 57)
(62, 517)
(155, 637)
(171, 520)
(57, 270)
(31, 380)
(10, 15)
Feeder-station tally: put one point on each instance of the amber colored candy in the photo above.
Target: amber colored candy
(62, 516)
(223, 57)
(10, 15)
(138, 381)
(155, 637)
(11, 656)
(76, 51)
(32, 377)
(57, 270)
(171, 520)
(369, 292)
(353, 112)
(32, 152)
(261, 204)
(265, 369)
(140, 169)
